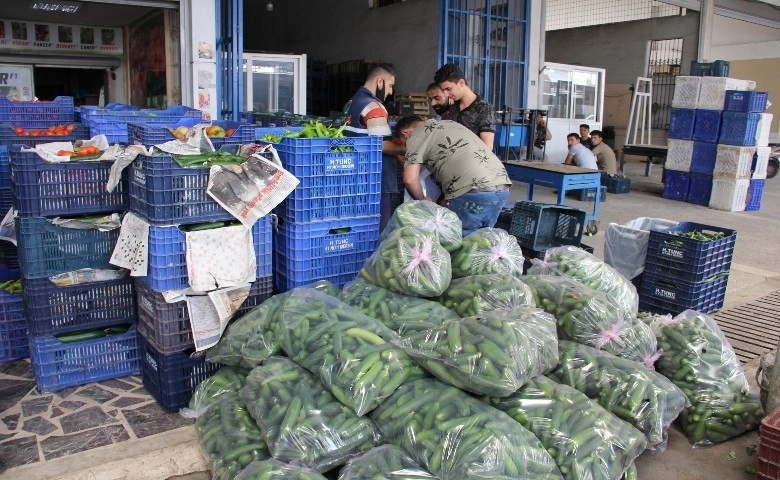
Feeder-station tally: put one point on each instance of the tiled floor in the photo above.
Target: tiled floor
(37, 427)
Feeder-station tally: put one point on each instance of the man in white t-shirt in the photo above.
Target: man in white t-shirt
(579, 154)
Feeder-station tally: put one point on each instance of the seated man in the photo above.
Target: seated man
(579, 155)
(605, 156)
(541, 136)
(585, 136)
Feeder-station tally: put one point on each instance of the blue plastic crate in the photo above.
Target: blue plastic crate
(164, 193)
(168, 255)
(685, 258)
(333, 184)
(5, 168)
(46, 249)
(330, 250)
(6, 199)
(676, 185)
(37, 114)
(8, 137)
(706, 125)
(52, 310)
(171, 379)
(618, 185)
(14, 343)
(243, 133)
(153, 133)
(260, 132)
(681, 122)
(113, 122)
(539, 226)
(755, 192)
(504, 221)
(745, 102)
(166, 326)
(588, 194)
(57, 365)
(703, 157)
(699, 189)
(10, 254)
(671, 295)
(739, 129)
(71, 188)
(246, 117)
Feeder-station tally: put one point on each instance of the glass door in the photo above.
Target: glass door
(275, 83)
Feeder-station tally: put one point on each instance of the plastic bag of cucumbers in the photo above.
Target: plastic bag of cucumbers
(398, 312)
(487, 250)
(385, 462)
(642, 397)
(409, 261)
(456, 436)
(469, 296)
(492, 354)
(273, 469)
(301, 420)
(227, 380)
(349, 351)
(586, 268)
(698, 359)
(586, 441)
(429, 217)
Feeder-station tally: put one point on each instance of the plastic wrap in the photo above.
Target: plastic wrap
(410, 261)
(301, 420)
(592, 318)
(492, 354)
(698, 359)
(455, 436)
(642, 397)
(346, 349)
(227, 380)
(429, 217)
(469, 296)
(586, 441)
(576, 263)
(275, 470)
(487, 250)
(228, 437)
(625, 246)
(385, 462)
(249, 340)
(398, 312)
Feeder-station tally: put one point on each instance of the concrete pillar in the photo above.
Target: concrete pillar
(705, 29)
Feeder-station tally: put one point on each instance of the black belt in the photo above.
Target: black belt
(496, 188)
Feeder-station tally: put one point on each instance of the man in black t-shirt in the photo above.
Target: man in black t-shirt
(468, 108)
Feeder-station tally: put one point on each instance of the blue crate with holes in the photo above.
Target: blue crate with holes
(37, 114)
(754, 194)
(706, 125)
(703, 157)
(588, 194)
(681, 122)
(699, 189)
(340, 178)
(168, 255)
(14, 343)
(688, 259)
(746, 101)
(262, 133)
(5, 167)
(6, 200)
(739, 129)
(9, 137)
(10, 254)
(618, 185)
(46, 189)
(329, 250)
(154, 133)
(669, 295)
(46, 249)
(676, 185)
(57, 364)
(113, 122)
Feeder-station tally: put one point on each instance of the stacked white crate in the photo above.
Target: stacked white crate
(678, 155)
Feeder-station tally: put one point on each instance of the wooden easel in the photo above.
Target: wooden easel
(639, 118)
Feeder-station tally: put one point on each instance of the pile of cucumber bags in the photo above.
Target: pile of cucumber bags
(442, 360)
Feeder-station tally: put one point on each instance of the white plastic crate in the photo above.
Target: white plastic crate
(679, 155)
(712, 92)
(760, 163)
(729, 194)
(763, 129)
(733, 162)
(686, 92)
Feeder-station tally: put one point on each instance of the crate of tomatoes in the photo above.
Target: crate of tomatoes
(11, 134)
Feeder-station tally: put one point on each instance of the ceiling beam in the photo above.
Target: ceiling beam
(733, 12)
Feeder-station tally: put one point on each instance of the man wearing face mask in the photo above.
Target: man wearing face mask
(365, 114)
(438, 100)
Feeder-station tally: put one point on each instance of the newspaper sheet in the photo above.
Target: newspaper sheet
(210, 314)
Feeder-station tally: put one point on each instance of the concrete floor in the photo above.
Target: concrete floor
(754, 273)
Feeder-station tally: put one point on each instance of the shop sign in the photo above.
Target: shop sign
(16, 82)
(50, 37)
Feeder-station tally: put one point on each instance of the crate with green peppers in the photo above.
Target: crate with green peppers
(700, 361)
(301, 420)
(477, 294)
(429, 217)
(385, 462)
(487, 250)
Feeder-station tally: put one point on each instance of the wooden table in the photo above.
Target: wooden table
(560, 176)
(649, 151)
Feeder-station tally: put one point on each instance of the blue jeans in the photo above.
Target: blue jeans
(478, 210)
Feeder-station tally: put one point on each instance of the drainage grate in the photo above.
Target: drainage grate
(752, 328)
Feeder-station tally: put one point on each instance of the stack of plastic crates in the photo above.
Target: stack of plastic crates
(113, 120)
(149, 134)
(329, 224)
(768, 464)
(686, 267)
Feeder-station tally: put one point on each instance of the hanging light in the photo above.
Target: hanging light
(270, 6)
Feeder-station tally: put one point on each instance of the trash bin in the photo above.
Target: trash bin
(625, 246)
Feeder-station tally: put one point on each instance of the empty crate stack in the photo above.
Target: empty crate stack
(329, 224)
(173, 201)
(686, 267)
(539, 226)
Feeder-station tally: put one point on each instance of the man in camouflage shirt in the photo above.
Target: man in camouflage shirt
(474, 182)
(467, 108)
